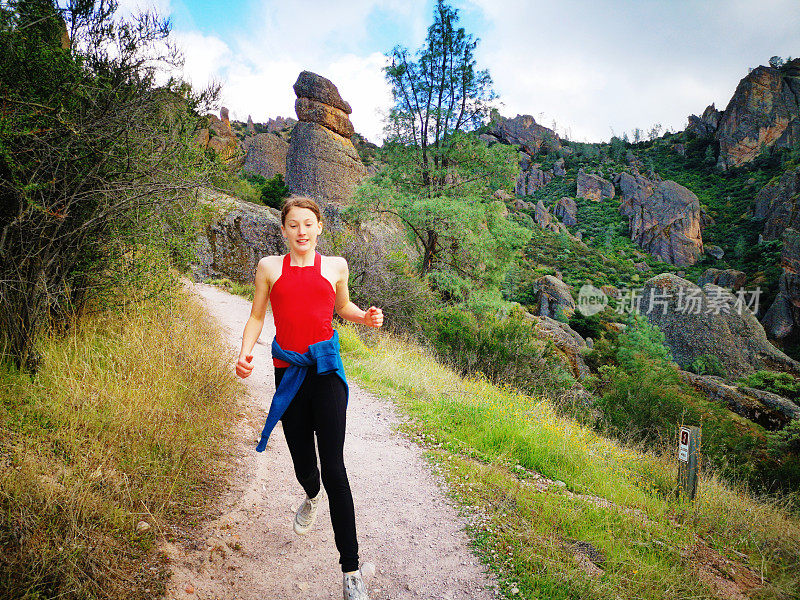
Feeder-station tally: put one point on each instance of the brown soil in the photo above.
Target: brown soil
(406, 525)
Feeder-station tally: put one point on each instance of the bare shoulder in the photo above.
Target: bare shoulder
(271, 267)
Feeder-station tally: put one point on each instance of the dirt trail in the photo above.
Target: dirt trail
(406, 526)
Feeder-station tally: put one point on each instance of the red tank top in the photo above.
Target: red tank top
(302, 307)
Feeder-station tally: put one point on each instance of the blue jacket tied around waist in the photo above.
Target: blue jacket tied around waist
(324, 355)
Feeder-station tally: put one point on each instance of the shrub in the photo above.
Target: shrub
(503, 349)
(782, 384)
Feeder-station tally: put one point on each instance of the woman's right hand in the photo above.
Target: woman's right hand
(243, 366)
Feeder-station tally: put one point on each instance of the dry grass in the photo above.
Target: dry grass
(124, 423)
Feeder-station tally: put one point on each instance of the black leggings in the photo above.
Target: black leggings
(319, 406)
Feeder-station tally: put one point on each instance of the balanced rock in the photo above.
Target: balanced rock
(708, 321)
(593, 187)
(566, 210)
(313, 111)
(322, 162)
(316, 87)
(664, 218)
(265, 154)
(763, 112)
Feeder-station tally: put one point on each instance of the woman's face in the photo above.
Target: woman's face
(301, 229)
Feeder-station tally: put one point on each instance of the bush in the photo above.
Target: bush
(503, 349)
(782, 384)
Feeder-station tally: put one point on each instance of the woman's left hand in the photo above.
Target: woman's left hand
(373, 317)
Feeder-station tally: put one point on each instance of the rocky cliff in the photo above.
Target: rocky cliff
(523, 131)
(764, 111)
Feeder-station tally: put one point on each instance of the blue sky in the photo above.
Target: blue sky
(587, 67)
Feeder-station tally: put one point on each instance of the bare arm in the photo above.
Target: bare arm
(372, 317)
(255, 323)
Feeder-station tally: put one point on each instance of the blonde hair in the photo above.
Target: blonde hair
(299, 202)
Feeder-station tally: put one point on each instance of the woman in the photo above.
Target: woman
(304, 287)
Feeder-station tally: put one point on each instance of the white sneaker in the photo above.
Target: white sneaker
(307, 513)
(353, 587)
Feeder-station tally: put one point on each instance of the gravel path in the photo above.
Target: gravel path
(406, 526)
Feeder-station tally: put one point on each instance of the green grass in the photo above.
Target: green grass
(488, 442)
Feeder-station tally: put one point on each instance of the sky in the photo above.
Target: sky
(588, 68)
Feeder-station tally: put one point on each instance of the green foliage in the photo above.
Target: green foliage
(643, 395)
(97, 161)
(462, 233)
(270, 192)
(708, 364)
(782, 384)
(503, 349)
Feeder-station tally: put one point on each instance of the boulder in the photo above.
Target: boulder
(265, 154)
(712, 250)
(778, 205)
(593, 187)
(664, 218)
(312, 111)
(322, 164)
(316, 87)
(558, 168)
(727, 278)
(566, 340)
(524, 131)
(708, 321)
(541, 215)
(235, 241)
(553, 296)
(566, 210)
(763, 112)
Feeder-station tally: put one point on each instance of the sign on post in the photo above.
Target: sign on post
(688, 459)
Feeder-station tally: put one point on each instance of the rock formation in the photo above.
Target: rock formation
(764, 111)
(783, 316)
(219, 136)
(531, 177)
(727, 278)
(568, 342)
(265, 154)
(566, 210)
(553, 296)
(707, 321)
(558, 168)
(778, 205)
(280, 123)
(664, 218)
(232, 245)
(322, 162)
(593, 187)
(524, 131)
(769, 410)
(251, 128)
(706, 124)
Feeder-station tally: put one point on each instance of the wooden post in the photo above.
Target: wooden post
(688, 457)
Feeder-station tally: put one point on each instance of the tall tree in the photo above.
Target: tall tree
(438, 95)
(440, 179)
